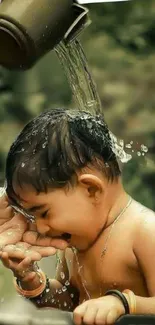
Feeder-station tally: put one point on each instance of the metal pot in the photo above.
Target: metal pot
(30, 28)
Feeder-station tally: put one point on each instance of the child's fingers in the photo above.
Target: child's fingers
(24, 265)
(25, 269)
(29, 277)
(5, 259)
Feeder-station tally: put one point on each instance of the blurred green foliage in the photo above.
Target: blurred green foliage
(120, 47)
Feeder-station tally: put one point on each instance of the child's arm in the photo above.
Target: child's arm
(59, 293)
(144, 250)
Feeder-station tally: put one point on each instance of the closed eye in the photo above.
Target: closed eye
(44, 214)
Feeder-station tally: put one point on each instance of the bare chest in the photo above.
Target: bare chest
(93, 274)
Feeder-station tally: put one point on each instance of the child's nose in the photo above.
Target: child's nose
(42, 227)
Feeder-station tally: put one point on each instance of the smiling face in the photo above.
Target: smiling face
(74, 213)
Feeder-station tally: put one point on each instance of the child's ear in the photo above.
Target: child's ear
(93, 184)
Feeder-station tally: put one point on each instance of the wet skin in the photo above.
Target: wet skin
(129, 259)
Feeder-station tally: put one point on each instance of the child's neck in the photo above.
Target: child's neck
(116, 201)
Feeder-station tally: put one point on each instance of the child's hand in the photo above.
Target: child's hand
(20, 259)
(100, 311)
(22, 269)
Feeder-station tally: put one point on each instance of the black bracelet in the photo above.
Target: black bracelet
(121, 297)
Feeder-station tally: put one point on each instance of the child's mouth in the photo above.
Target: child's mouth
(66, 236)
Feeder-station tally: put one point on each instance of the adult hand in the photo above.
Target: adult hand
(12, 225)
(32, 237)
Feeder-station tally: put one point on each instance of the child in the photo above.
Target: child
(62, 173)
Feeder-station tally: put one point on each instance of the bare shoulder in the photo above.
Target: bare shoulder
(144, 219)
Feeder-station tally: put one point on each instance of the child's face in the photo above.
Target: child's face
(71, 211)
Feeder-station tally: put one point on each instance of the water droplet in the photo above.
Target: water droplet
(128, 145)
(64, 288)
(9, 233)
(34, 132)
(72, 295)
(22, 149)
(144, 148)
(62, 274)
(67, 283)
(44, 145)
(53, 300)
(59, 291)
(143, 154)
(23, 165)
(118, 149)
(47, 290)
(126, 158)
(138, 153)
(121, 142)
(65, 304)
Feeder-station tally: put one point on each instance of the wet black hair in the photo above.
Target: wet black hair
(55, 145)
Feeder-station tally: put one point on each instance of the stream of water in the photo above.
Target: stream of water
(83, 87)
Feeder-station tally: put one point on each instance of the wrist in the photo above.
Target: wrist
(122, 299)
(127, 298)
(31, 289)
(30, 282)
(28, 278)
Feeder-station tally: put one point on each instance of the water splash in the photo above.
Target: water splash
(74, 250)
(118, 149)
(2, 191)
(62, 274)
(64, 289)
(83, 87)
